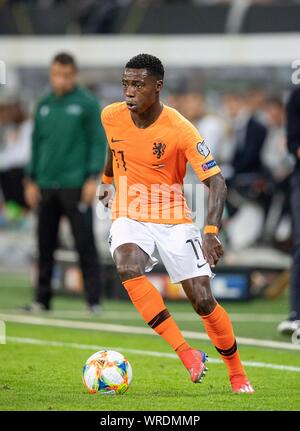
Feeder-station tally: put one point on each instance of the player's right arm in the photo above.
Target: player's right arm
(108, 170)
(106, 191)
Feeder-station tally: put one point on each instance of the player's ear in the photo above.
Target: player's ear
(159, 85)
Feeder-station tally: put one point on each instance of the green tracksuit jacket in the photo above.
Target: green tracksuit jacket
(68, 141)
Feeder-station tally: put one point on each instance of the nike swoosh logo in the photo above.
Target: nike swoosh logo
(117, 140)
(158, 166)
(200, 266)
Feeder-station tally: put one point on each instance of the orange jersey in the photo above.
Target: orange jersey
(149, 164)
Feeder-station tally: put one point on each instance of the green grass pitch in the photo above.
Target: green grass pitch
(41, 365)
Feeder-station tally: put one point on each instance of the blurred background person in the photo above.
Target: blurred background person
(248, 136)
(15, 138)
(210, 126)
(255, 98)
(275, 154)
(292, 324)
(190, 101)
(68, 151)
(280, 163)
(175, 94)
(246, 177)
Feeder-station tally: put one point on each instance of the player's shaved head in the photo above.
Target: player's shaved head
(152, 64)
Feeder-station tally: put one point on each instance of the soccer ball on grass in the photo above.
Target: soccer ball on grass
(107, 373)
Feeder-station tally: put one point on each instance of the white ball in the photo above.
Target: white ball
(107, 372)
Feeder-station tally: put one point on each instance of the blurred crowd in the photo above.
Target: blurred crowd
(126, 16)
(247, 136)
(245, 133)
(49, 3)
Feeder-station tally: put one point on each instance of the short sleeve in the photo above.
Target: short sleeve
(103, 116)
(110, 118)
(104, 119)
(197, 152)
(108, 114)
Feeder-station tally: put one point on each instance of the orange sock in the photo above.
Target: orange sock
(151, 306)
(219, 329)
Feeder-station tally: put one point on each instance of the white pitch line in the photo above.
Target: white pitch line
(35, 341)
(180, 316)
(75, 324)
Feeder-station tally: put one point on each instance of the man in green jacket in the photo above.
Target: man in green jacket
(68, 152)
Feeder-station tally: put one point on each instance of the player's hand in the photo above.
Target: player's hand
(212, 249)
(105, 193)
(88, 192)
(32, 194)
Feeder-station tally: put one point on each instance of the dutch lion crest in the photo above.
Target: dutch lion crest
(159, 149)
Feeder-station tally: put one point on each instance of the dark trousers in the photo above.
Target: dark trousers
(11, 185)
(54, 204)
(295, 281)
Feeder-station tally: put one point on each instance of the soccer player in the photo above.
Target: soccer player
(149, 146)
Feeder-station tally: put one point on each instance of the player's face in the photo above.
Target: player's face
(140, 89)
(62, 78)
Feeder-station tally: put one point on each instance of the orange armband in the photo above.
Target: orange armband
(107, 180)
(211, 229)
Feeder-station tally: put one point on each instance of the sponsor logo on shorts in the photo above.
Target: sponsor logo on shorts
(209, 165)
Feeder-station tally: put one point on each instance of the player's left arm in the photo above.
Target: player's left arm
(211, 246)
(208, 172)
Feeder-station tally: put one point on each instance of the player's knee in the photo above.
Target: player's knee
(204, 302)
(205, 306)
(129, 270)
